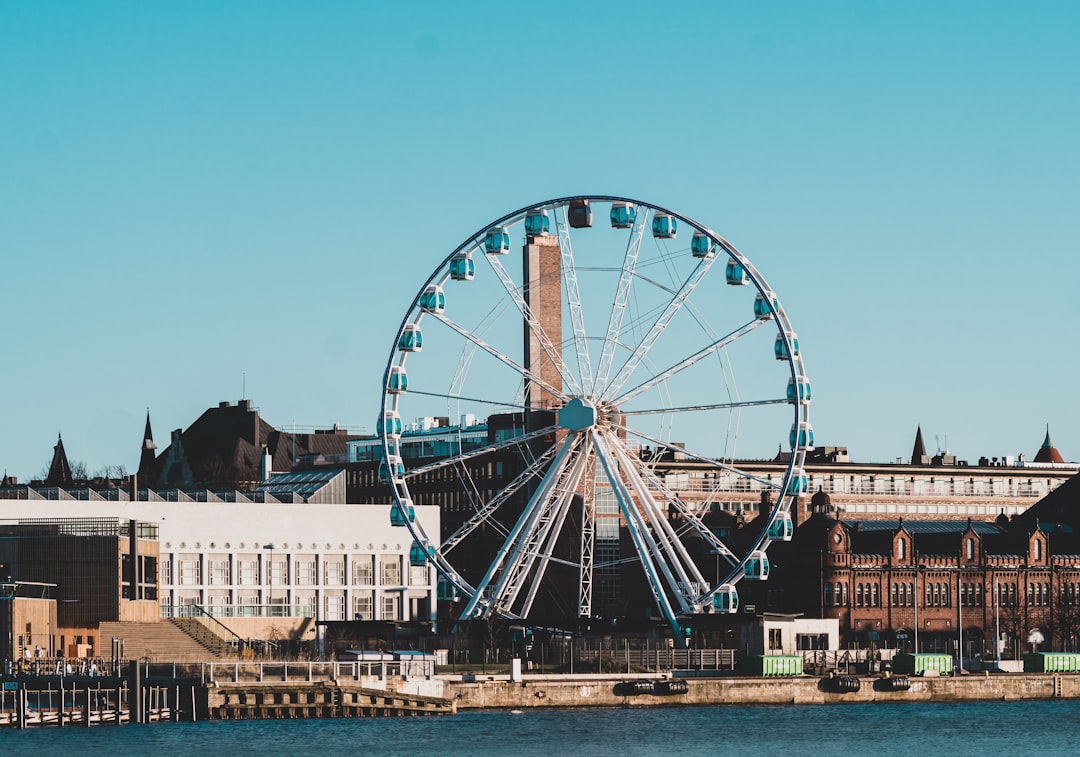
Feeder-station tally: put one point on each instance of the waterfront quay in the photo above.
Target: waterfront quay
(332, 690)
(642, 690)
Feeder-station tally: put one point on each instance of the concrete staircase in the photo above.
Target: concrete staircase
(160, 642)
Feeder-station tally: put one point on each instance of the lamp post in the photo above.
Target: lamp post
(270, 580)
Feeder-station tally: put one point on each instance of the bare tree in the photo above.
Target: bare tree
(1067, 619)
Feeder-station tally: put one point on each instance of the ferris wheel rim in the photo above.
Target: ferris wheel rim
(440, 275)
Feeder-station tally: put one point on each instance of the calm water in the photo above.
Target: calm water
(1012, 729)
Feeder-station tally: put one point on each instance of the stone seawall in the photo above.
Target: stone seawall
(619, 691)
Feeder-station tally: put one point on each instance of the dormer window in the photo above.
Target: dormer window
(970, 549)
(1038, 549)
(901, 548)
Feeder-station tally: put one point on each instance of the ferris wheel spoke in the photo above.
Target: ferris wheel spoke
(461, 398)
(687, 362)
(485, 513)
(701, 458)
(530, 376)
(546, 521)
(539, 560)
(622, 294)
(445, 462)
(659, 326)
(692, 517)
(535, 328)
(695, 408)
(486, 597)
(689, 583)
(573, 300)
(638, 532)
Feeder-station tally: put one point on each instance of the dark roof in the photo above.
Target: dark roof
(1048, 453)
(1062, 505)
(916, 527)
(59, 469)
(919, 450)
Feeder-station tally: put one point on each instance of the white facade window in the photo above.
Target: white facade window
(363, 570)
(277, 572)
(334, 572)
(248, 571)
(305, 572)
(390, 572)
(190, 572)
(334, 607)
(389, 607)
(418, 575)
(219, 572)
(165, 569)
(363, 606)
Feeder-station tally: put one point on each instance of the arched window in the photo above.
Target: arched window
(970, 548)
(895, 595)
(1046, 594)
(901, 548)
(903, 595)
(828, 595)
(937, 595)
(1038, 549)
(874, 590)
(859, 595)
(911, 593)
(839, 595)
(944, 595)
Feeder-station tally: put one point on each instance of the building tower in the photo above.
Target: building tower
(59, 469)
(918, 453)
(542, 259)
(1048, 453)
(147, 458)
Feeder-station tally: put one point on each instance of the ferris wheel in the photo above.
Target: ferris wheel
(574, 386)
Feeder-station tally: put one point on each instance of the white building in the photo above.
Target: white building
(259, 564)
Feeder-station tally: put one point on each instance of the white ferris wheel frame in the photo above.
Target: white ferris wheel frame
(511, 582)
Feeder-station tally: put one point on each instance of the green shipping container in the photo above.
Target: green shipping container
(917, 664)
(1052, 662)
(772, 665)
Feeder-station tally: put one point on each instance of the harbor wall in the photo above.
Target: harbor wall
(618, 691)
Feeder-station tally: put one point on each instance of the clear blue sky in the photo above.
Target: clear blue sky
(191, 192)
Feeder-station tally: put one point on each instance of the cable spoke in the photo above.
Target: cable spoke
(448, 461)
(689, 583)
(658, 327)
(498, 355)
(693, 408)
(701, 458)
(685, 363)
(535, 328)
(504, 495)
(566, 495)
(692, 517)
(622, 293)
(459, 398)
(484, 599)
(638, 534)
(573, 300)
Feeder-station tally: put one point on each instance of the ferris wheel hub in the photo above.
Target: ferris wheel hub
(579, 414)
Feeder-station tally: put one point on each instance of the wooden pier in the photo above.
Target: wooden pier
(156, 692)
